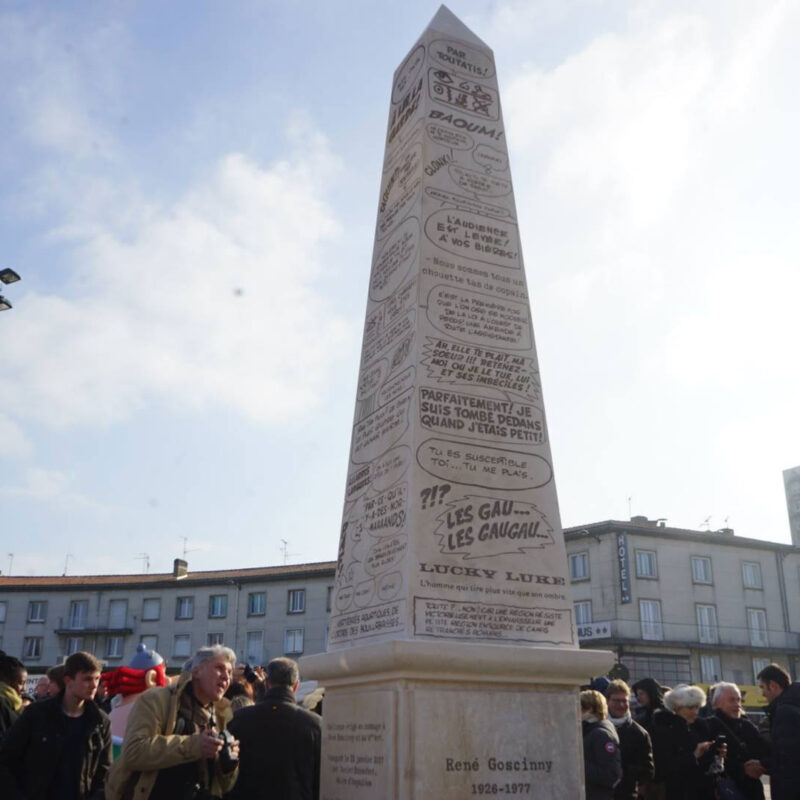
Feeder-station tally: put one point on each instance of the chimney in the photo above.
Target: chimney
(180, 569)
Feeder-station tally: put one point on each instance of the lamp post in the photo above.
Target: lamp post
(7, 276)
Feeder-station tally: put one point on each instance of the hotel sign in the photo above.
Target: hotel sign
(624, 569)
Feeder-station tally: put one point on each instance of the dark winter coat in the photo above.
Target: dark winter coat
(674, 743)
(637, 759)
(8, 715)
(744, 743)
(784, 728)
(602, 762)
(31, 748)
(655, 691)
(279, 750)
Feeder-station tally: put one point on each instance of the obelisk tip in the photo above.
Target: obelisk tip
(445, 21)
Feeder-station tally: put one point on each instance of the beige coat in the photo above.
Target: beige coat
(151, 745)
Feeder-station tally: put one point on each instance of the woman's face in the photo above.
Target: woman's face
(642, 697)
(689, 713)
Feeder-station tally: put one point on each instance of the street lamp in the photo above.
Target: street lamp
(7, 276)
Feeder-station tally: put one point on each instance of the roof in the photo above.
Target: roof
(161, 580)
(648, 527)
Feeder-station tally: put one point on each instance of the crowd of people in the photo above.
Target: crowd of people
(225, 731)
(190, 739)
(682, 745)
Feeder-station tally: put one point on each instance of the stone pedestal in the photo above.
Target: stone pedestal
(415, 720)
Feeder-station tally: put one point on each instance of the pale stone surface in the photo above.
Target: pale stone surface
(451, 528)
(453, 666)
(413, 720)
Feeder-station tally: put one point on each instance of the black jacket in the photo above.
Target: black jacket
(602, 763)
(637, 759)
(674, 743)
(279, 752)
(30, 751)
(784, 728)
(655, 691)
(744, 743)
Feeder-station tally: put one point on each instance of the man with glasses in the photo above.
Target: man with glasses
(634, 743)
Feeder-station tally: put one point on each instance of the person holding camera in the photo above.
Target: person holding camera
(177, 746)
(687, 756)
(744, 741)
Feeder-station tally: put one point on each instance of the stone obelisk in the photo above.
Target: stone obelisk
(452, 661)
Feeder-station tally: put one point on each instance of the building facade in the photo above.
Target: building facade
(685, 606)
(678, 605)
(261, 613)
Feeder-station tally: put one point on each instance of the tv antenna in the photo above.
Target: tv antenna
(145, 559)
(186, 549)
(10, 562)
(706, 523)
(67, 557)
(285, 550)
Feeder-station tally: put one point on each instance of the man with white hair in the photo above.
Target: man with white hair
(743, 739)
(173, 749)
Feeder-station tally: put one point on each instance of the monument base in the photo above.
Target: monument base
(418, 720)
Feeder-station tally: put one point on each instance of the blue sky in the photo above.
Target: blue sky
(189, 192)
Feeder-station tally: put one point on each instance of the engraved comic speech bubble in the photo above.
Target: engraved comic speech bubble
(480, 319)
(487, 467)
(470, 235)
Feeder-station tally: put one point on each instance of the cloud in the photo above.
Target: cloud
(208, 302)
(13, 442)
(51, 486)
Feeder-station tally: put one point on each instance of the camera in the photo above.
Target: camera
(250, 674)
(719, 741)
(227, 759)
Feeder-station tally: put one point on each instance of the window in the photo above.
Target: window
(650, 614)
(182, 645)
(218, 605)
(3, 610)
(297, 605)
(707, 624)
(214, 638)
(758, 665)
(254, 647)
(329, 599)
(751, 575)
(646, 564)
(184, 608)
(114, 647)
(32, 647)
(117, 614)
(293, 641)
(150, 641)
(579, 566)
(37, 611)
(78, 614)
(151, 608)
(710, 669)
(757, 625)
(583, 612)
(256, 604)
(701, 569)
(74, 644)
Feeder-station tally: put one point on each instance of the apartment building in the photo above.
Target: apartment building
(685, 605)
(261, 613)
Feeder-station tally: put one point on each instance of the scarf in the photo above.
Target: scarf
(9, 693)
(620, 721)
